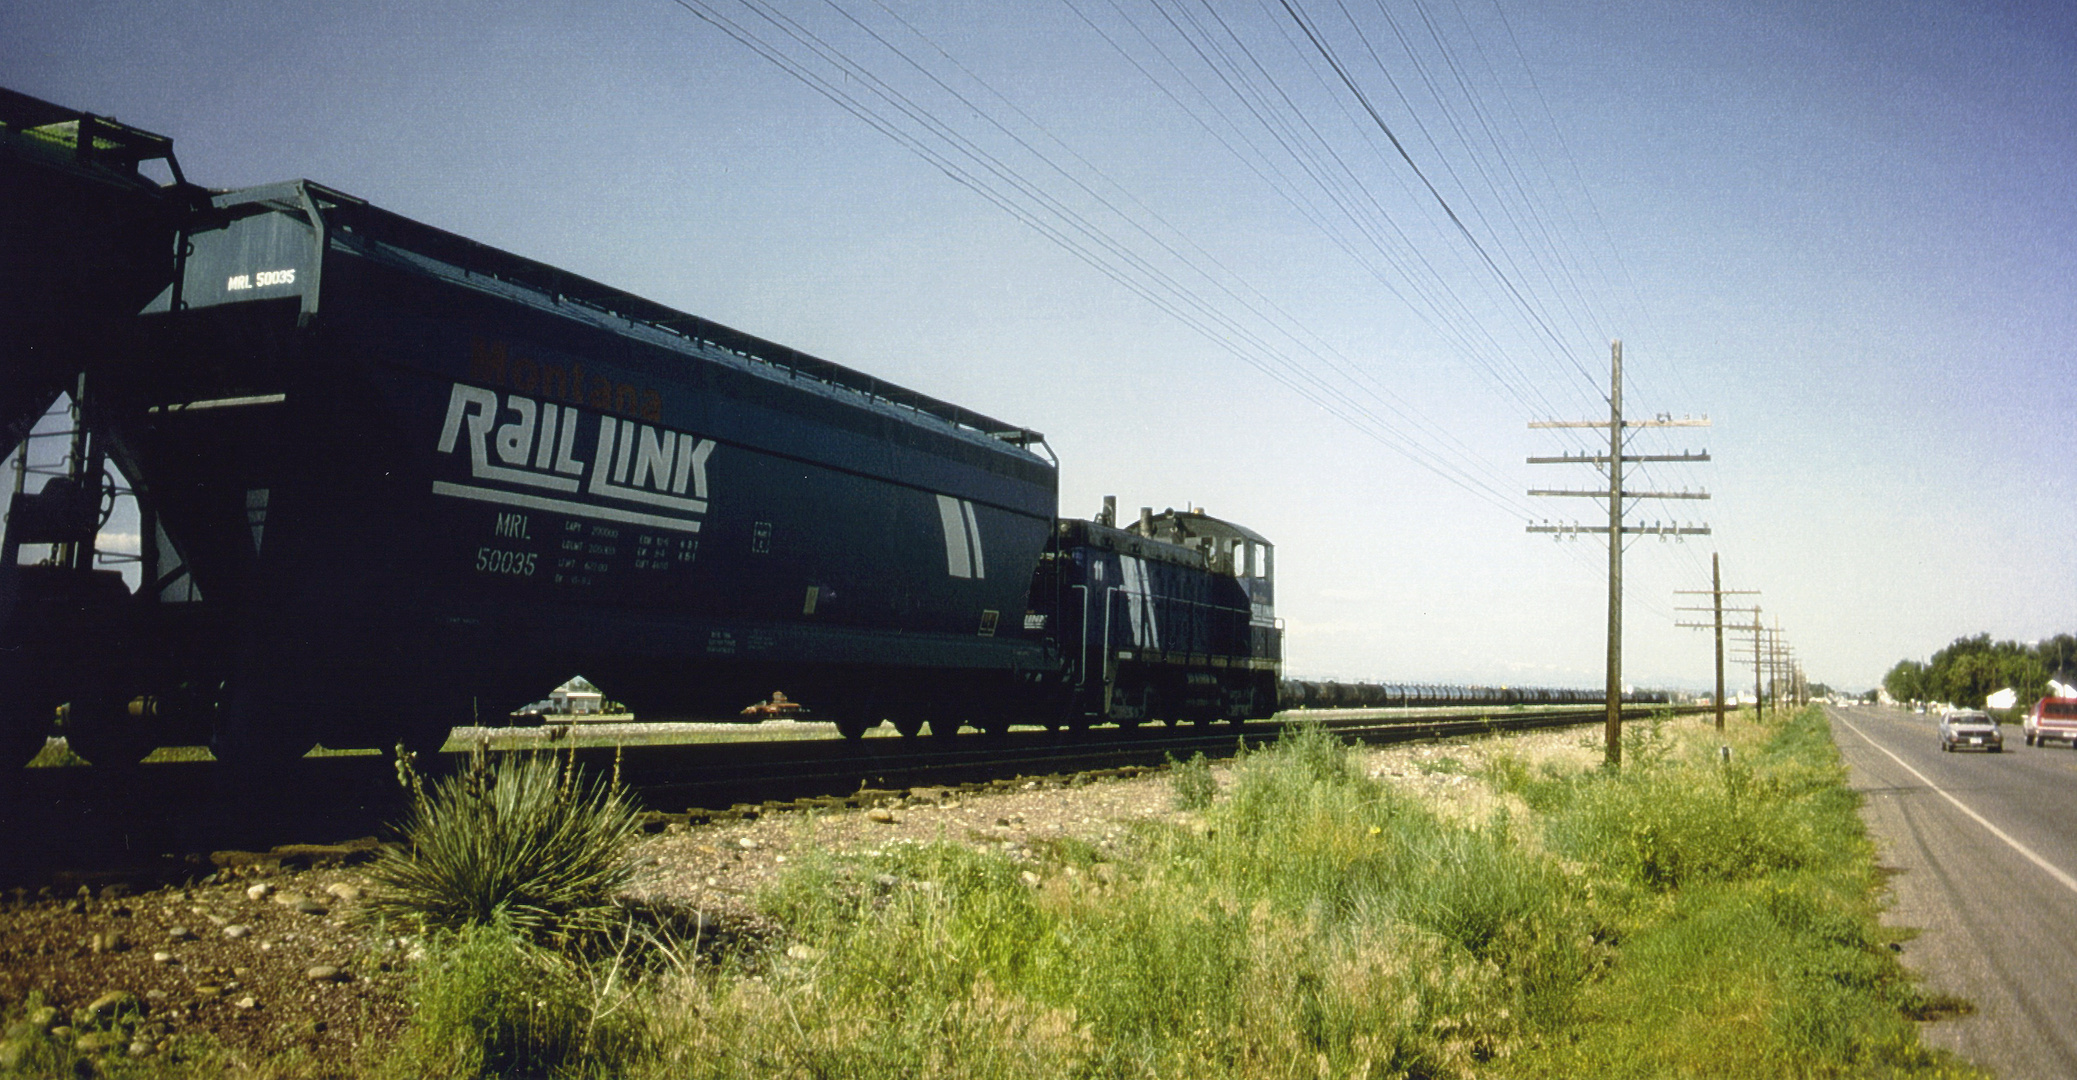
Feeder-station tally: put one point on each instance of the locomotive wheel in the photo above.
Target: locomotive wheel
(853, 727)
(106, 734)
(944, 730)
(908, 726)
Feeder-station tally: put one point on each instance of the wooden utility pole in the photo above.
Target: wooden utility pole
(1774, 663)
(1612, 723)
(1717, 593)
(1782, 667)
(1760, 694)
(1615, 529)
(1754, 644)
(1773, 658)
(1716, 586)
(1759, 660)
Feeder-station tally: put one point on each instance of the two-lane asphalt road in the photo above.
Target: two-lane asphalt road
(1985, 852)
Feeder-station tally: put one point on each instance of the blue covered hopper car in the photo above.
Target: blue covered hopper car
(390, 480)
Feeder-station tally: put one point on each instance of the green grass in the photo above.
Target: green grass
(1683, 916)
(1686, 915)
(1314, 921)
(1192, 782)
(509, 870)
(1680, 917)
(1746, 901)
(490, 1002)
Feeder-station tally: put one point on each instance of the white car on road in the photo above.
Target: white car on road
(1968, 728)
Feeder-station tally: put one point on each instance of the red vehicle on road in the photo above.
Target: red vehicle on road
(2051, 718)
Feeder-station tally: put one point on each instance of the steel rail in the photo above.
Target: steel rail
(164, 820)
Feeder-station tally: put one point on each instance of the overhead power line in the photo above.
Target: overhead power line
(1267, 92)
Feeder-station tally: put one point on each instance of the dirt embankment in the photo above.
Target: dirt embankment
(261, 953)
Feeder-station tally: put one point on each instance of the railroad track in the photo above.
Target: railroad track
(890, 764)
(163, 820)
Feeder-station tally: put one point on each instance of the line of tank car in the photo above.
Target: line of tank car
(389, 480)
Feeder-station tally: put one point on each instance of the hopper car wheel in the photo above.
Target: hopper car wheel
(908, 726)
(944, 729)
(252, 750)
(853, 728)
(250, 738)
(1152, 708)
(103, 732)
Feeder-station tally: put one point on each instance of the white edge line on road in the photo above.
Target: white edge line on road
(2055, 872)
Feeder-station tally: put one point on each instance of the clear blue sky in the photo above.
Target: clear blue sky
(1845, 232)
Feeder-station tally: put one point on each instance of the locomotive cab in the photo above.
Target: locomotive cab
(1231, 550)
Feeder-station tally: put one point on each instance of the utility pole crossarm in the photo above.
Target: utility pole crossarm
(1628, 530)
(1602, 459)
(1627, 424)
(1611, 464)
(1626, 494)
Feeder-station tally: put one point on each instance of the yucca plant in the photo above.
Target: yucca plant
(524, 842)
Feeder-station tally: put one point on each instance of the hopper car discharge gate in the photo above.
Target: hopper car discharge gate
(389, 480)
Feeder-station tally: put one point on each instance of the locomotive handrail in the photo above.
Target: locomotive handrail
(1083, 675)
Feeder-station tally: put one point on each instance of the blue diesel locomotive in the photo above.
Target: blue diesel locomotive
(369, 453)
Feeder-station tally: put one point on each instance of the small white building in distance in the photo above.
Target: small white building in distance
(577, 698)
